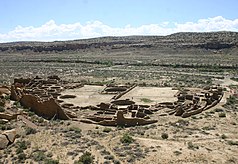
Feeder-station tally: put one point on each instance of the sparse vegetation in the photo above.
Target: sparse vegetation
(132, 62)
(107, 130)
(177, 152)
(164, 136)
(222, 114)
(223, 136)
(219, 110)
(2, 109)
(86, 158)
(17, 104)
(38, 156)
(30, 131)
(21, 146)
(21, 156)
(75, 129)
(146, 100)
(192, 146)
(126, 138)
(230, 142)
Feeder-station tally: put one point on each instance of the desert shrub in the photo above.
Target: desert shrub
(39, 156)
(164, 135)
(222, 114)
(232, 142)
(176, 152)
(75, 129)
(40, 120)
(22, 156)
(126, 138)
(86, 158)
(218, 110)
(223, 136)
(2, 102)
(231, 100)
(192, 146)
(208, 128)
(115, 161)
(51, 161)
(21, 146)
(107, 130)
(30, 113)
(146, 100)
(30, 131)
(17, 104)
(7, 97)
(2, 109)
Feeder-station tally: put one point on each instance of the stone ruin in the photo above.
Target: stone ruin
(118, 90)
(41, 96)
(127, 113)
(120, 113)
(192, 102)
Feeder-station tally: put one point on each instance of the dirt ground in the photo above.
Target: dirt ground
(87, 95)
(155, 94)
(203, 138)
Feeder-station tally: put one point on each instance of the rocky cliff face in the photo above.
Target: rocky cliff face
(211, 40)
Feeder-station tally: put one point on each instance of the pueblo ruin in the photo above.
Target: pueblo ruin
(44, 98)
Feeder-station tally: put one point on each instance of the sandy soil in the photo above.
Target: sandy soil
(155, 94)
(87, 95)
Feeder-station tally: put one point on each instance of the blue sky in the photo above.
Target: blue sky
(72, 19)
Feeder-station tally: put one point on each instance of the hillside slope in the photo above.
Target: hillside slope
(211, 40)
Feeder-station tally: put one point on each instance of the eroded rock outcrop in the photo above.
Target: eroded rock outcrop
(7, 138)
(8, 117)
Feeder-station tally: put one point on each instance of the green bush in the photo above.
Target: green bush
(39, 156)
(21, 146)
(2, 102)
(231, 100)
(126, 138)
(2, 109)
(17, 104)
(192, 146)
(146, 100)
(164, 135)
(86, 158)
(22, 156)
(107, 130)
(30, 131)
(75, 129)
(51, 161)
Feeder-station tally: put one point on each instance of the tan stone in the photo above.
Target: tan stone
(3, 141)
(48, 109)
(11, 135)
(8, 116)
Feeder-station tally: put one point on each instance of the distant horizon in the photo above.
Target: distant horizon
(111, 36)
(43, 20)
